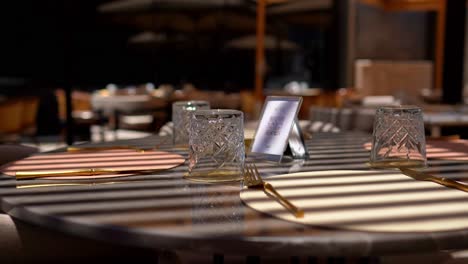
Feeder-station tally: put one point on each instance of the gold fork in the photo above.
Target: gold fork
(252, 179)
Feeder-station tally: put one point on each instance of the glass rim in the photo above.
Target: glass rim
(190, 102)
(217, 111)
(399, 107)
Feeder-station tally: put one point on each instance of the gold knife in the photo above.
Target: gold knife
(422, 176)
(101, 148)
(41, 185)
(23, 175)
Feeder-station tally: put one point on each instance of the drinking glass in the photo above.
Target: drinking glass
(216, 146)
(181, 111)
(398, 139)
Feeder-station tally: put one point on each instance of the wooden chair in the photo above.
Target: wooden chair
(364, 120)
(82, 112)
(323, 119)
(166, 130)
(248, 105)
(11, 124)
(148, 116)
(346, 119)
(28, 117)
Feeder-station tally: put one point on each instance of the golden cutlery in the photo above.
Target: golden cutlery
(422, 176)
(252, 179)
(41, 185)
(21, 175)
(100, 148)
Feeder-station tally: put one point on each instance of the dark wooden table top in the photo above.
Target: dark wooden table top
(164, 210)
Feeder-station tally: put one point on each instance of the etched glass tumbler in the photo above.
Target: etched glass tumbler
(216, 146)
(181, 111)
(398, 139)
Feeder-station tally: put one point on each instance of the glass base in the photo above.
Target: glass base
(181, 146)
(397, 163)
(214, 176)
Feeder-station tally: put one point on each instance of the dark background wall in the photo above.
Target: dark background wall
(48, 42)
(393, 35)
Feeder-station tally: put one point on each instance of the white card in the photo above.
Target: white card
(277, 119)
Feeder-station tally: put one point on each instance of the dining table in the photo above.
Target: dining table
(164, 210)
(114, 107)
(435, 122)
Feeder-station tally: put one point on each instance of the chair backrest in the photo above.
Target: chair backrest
(167, 129)
(11, 116)
(341, 119)
(325, 114)
(364, 120)
(60, 95)
(81, 101)
(248, 105)
(346, 119)
(29, 112)
(319, 126)
(323, 119)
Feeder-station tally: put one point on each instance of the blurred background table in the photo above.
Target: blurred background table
(131, 109)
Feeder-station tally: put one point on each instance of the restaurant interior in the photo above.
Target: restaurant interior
(98, 72)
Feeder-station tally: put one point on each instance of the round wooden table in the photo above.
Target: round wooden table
(165, 211)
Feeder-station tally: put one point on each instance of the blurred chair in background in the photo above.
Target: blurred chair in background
(82, 113)
(49, 126)
(364, 120)
(143, 112)
(346, 119)
(323, 119)
(329, 98)
(148, 115)
(29, 117)
(248, 105)
(11, 124)
(166, 130)
(332, 119)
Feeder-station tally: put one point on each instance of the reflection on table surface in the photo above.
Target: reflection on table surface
(164, 210)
